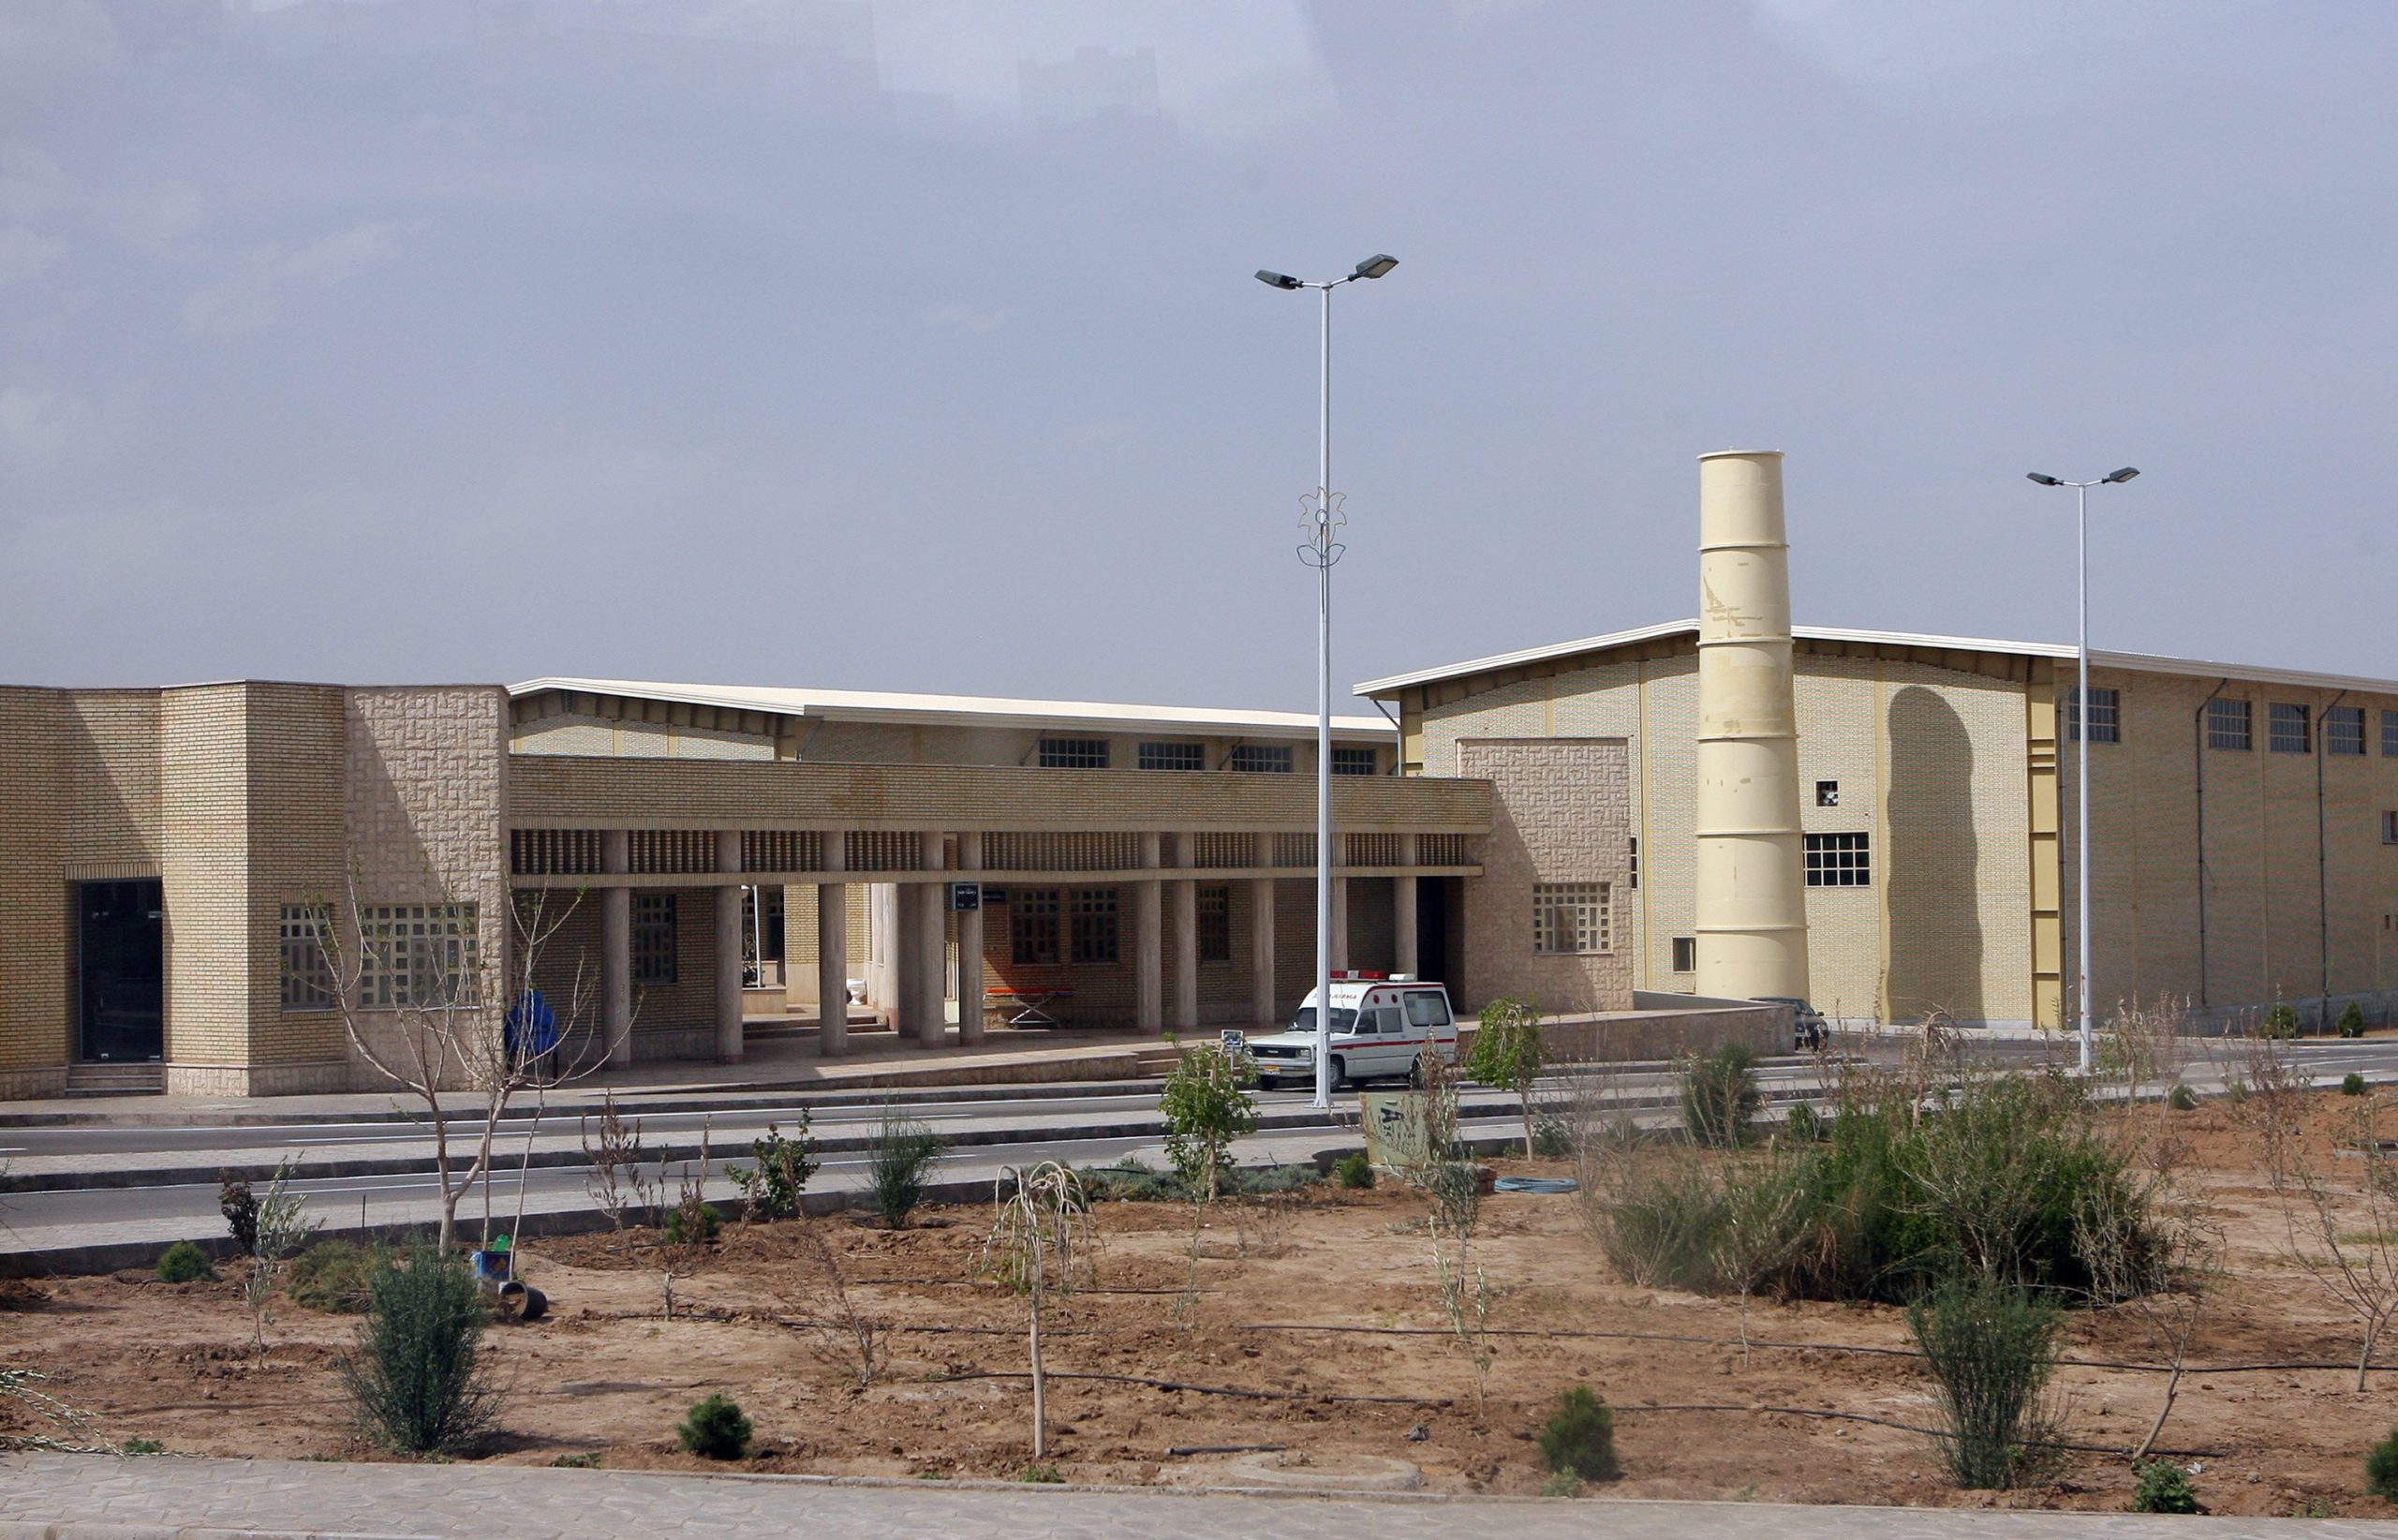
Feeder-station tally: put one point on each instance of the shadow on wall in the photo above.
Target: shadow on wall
(1933, 862)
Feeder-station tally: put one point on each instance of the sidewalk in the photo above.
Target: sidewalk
(107, 1498)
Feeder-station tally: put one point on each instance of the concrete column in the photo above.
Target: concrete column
(932, 949)
(884, 945)
(617, 952)
(906, 978)
(728, 950)
(833, 953)
(1183, 902)
(1403, 909)
(1340, 924)
(969, 948)
(1261, 950)
(1148, 956)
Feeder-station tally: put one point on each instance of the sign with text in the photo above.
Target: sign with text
(1395, 1131)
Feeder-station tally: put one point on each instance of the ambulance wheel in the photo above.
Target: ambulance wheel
(1340, 1073)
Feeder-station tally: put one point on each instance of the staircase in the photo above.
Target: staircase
(131, 1079)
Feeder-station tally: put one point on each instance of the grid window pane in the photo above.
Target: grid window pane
(1033, 927)
(1633, 877)
(1174, 756)
(1073, 753)
(2227, 726)
(1840, 860)
(2288, 726)
(2390, 734)
(307, 972)
(1353, 762)
(653, 937)
(2106, 716)
(1215, 925)
(2389, 828)
(2344, 729)
(417, 955)
(1570, 917)
(1094, 933)
(1685, 953)
(1263, 759)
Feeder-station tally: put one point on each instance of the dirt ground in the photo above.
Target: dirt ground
(605, 1376)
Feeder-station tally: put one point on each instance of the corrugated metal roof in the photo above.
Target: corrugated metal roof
(2099, 657)
(969, 710)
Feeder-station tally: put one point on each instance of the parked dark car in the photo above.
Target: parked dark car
(1807, 1030)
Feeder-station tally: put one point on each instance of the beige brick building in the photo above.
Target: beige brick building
(2245, 833)
(724, 859)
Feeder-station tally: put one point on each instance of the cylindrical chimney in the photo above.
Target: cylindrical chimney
(1750, 898)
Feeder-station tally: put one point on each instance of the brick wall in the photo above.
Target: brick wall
(35, 1033)
(1561, 813)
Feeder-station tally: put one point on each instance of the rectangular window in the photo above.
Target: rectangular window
(1839, 861)
(1094, 936)
(2344, 729)
(1261, 759)
(2390, 734)
(1174, 756)
(1827, 793)
(1215, 925)
(1352, 762)
(1570, 917)
(653, 937)
(1033, 927)
(418, 956)
(2389, 828)
(1632, 878)
(1685, 953)
(1073, 753)
(2289, 727)
(2106, 716)
(2227, 726)
(307, 972)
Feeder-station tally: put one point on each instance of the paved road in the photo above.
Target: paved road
(101, 1496)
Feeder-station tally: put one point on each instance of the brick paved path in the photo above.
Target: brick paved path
(111, 1499)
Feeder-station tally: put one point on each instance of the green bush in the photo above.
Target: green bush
(1561, 1484)
(2280, 1022)
(1354, 1170)
(2381, 1467)
(1990, 1350)
(1805, 1125)
(1578, 1439)
(2181, 1098)
(1719, 1095)
(1550, 1140)
(142, 1446)
(771, 1189)
(335, 1276)
(184, 1263)
(2352, 1083)
(1507, 1055)
(1206, 1105)
(240, 1207)
(692, 1222)
(2164, 1487)
(415, 1377)
(1041, 1475)
(899, 1163)
(2351, 1022)
(716, 1428)
(1663, 1228)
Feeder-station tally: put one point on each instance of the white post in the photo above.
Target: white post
(1323, 719)
(2082, 754)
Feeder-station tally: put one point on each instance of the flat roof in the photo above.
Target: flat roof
(969, 710)
(2141, 662)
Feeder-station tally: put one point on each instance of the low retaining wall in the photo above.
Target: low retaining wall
(1651, 1033)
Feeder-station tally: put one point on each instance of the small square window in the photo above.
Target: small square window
(1685, 953)
(1073, 753)
(2227, 726)
(2289, 729)
(1827, 793)
(2389, 828)
(2390, 734)
(1839, 861)
(1353, 762)
(1174, 756)
(2344, 729)
(1259, 759)
(1570, 917)
(2106, 716)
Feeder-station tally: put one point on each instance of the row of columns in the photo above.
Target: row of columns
(1165, 909)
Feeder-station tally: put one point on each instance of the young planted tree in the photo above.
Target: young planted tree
(2344, 1235)
(1041, 1243)
(423, 1004)
(1206, 1105)
(1508, 1054)
(277, 1232)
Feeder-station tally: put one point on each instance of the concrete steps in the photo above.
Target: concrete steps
(116, 1080)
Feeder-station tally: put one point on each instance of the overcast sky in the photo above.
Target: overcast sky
(911, 343)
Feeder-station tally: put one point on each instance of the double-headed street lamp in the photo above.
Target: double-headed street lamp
(2081, 723)
(1322, 523)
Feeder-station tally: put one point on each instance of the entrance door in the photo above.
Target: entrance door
(123, 971)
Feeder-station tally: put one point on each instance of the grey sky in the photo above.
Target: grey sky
(912, 345)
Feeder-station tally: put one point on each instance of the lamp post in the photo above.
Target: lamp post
(1322, 523)
(2081, 726)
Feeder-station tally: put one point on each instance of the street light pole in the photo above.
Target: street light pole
(2081, 733)
(1323, 524)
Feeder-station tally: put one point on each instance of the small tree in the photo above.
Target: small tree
(1990, 1350)
(1508, 1054)
(1040, 1242)
(771, 1189)
(415, 1377)
(899, 1165)
(1206, 1105)
(278, 1229)
(1719, 1095)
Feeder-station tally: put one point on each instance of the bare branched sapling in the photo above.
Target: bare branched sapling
(1041, 1243)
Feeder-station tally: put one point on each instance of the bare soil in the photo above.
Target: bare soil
(605, 1376)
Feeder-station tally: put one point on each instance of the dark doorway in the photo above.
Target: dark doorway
(1433, 928)
(122, 971)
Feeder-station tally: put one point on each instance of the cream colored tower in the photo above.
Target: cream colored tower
(1750, 898)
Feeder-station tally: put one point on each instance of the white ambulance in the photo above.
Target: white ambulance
(1380, 1023)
